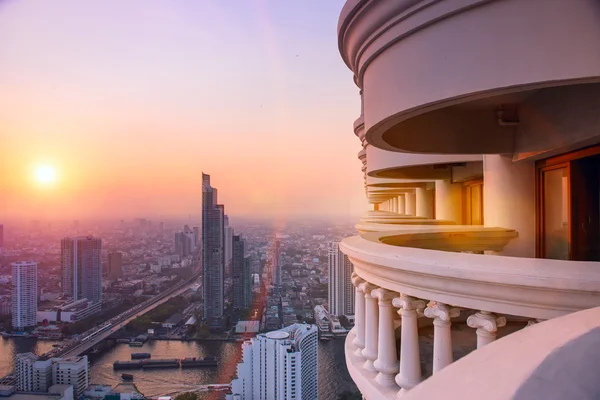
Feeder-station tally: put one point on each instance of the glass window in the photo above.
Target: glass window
(555, 233)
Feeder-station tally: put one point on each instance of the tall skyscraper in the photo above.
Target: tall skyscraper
(212, 254)
(24, 294)
(241, 274)
(341, 290)
(183, 243)
(115, 262)
(82, 268)
(279, 365)
(228, 232)
(276, 263)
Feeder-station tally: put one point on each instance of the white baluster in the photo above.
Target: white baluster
(442, 337)
(410, 358)
(359, 315)
(487, 325)
(387, 360)
(371, 326)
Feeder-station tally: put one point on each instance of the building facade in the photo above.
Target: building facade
(213, 256)
(482, 170)
(71, 371)
(279, 365)
(24, 294)
(81, 268)
(115, 262)
(241, 274)
(341, 290)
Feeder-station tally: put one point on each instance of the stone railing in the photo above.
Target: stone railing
(424, 272)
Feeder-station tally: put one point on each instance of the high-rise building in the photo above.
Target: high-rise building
(241, 274)
(279, 365)
(24, 294)
(184, 243)
(212, 254)
(196, 236)
(228, 233)
(115, 262)
(276, 263)
(71, 371)
(33, 374)
(1, 237)
(341, 289)
(82, 268)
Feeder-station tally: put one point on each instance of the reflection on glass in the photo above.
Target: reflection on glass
(556, 214)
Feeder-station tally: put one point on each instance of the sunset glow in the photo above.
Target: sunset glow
(45, 174)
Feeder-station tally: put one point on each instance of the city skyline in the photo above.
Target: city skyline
(128, 125)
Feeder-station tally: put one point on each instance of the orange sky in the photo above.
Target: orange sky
(131, 102)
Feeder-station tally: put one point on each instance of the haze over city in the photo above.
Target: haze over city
(124, 104)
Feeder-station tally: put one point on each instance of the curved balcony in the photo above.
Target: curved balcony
(431, 271)
(467, 77)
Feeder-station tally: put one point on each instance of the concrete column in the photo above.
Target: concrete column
(487, 325)
(395, 203)
(401, 204)
(424, 202)
(509, 201)
(442, 338)
(448, 201)
(376, 206)
(359, 315)
(411, 203)
(387, 361)
(371, 327)
(410, 358)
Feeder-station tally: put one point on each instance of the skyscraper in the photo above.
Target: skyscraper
(24, 294)
(213, 254)
(183, 243)
(279, 365)
(341, 290)
(241, 274)
(82, 268)
(228, 232)
(115, 262)
(276, 262)
(1, 237)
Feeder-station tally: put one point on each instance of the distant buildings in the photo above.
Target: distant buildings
(115, 262)
(183, 244)
(213, 253)
(228, 244)
(341, 290)
(82, 268)
(276, 263)
(242, 285)
(279, 365)
(1, 237)
(24, 294)
(37, 375)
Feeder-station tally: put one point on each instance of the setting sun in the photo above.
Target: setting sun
(45, 174)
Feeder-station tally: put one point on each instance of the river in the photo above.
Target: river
(333, 375)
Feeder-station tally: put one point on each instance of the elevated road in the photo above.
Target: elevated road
(94, 336)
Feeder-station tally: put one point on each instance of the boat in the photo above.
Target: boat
(136, 344)
(198, 362)
(164, 363)
(140, 356)
(127, 377)
(123, 340)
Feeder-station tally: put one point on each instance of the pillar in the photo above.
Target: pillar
(424, 202)
(387, 361)
(401, 204)
(509, 201)
(487, 325)
(376, 206)
(410, 358)
(359, 315)
(448, 201)
(411, 203)
(371, 326)
(442, 337)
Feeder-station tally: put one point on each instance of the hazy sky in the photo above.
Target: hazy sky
(131, 99)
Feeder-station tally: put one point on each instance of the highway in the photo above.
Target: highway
(90, 338)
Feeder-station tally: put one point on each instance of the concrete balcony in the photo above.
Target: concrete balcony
(431, 272)
(468, 77)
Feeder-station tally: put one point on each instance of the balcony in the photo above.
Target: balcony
(430, 278)
(468, 77)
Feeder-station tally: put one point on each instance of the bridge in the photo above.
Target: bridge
(92, 337)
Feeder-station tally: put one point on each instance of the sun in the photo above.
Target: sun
(45, 174)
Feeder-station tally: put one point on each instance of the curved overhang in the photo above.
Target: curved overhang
(423, 167)
(468, 76)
